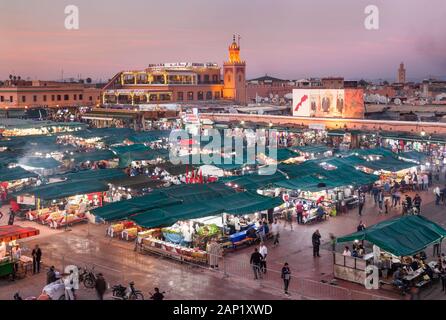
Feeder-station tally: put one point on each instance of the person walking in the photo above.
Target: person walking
(361, 226)
(11, 217)
(100, 286)
(316, 241)
(69, 286)
(426, 181)
(37, 257)
(263, 250)
(299, 212)
(286, 276)
(255, 261)
(158, 296)
(386, 205)
(437, 194)
(380, 200)
(51, 275)
(333, 242)
(417, 203)
(275, 232)
(443, 279)
(436, 249)
(361, 204)
(375, 192)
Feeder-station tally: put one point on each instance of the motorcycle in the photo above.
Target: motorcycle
(122, 293)
(87, 277)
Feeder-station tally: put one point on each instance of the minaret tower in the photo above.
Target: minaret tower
(401, 74)
(234, 75)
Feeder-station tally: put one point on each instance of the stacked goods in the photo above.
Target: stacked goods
(130, 233)
(33, 215)
(115, 229)
(208, 230)
(123, 229)
(54, 216)
(174, 250)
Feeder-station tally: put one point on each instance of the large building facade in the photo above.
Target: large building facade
(183, 82)
(33, 94)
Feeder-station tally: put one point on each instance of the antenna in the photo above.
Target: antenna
(239, 40)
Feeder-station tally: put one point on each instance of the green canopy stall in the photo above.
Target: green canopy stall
(16, 173)
(403, 236)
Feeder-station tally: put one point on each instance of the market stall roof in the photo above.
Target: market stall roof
(59, 190)
(390, 164)
(281, 154)
(7, 157)
(340, 132)
(98, 175)
(108, 135)
(312, 176)
(312, 149)
(403, 236)
(246, 202)
(413, 156)
(229, 163)
(97, 155)
(181, 194)
(254, 181)
(129, 148)
(126, 159)
(39, 163)
(149, 136)
(196, 192)
(167, 216)
(12, 123)
(136, 182)
(372, 152)
(413, 137)
(16, 173)
(14, 232)
(126, 208)
(237, 203)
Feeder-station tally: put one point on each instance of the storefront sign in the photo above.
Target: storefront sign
(27, 200)
(317, 126)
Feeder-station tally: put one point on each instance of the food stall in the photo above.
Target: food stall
(16, 178)
(44, 166)
(94, 159)
(398, 244)
(65, 203)
(12, 262)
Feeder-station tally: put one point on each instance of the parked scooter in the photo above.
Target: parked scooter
(122, 293)
(87, 277)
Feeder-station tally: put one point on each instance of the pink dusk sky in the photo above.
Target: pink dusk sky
(289, 39)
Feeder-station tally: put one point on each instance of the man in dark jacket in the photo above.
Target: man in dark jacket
(51, 275)
(361, 226)
(100, 286)
(11, 217)
(417, 203)
(256, 260)
(316, 240)
(37, 256)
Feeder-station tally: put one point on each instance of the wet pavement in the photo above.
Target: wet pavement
(87, 245)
